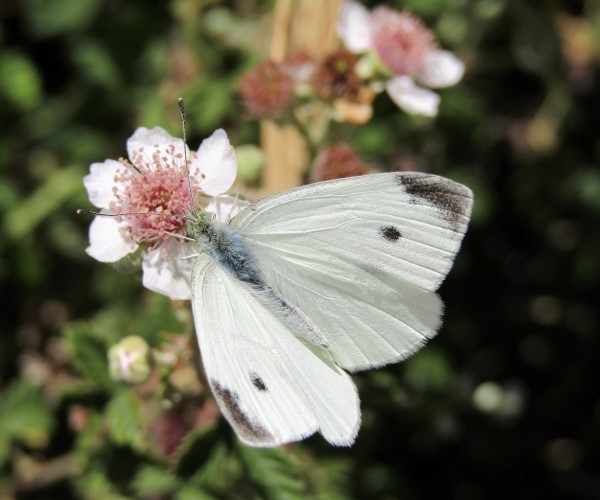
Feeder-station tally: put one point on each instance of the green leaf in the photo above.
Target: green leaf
(429, 370)
(4, 447)
(9, 194)
(59, 16)
(191, 492)
(208, 103)
(91, 438)
(331, 478)
(153, 480)
(425, 7)
(585, 182)
(453, 28)
(159, 316)
(88, 355)
(95, 64)
(219, 471)
(24, 416)
(195, 451)
(275, 473)
(207, 465)
(124, 418)
(96, 485)
(20, 83)
(59, 185)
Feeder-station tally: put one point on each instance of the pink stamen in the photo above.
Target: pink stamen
(124, 363)
(154, 184)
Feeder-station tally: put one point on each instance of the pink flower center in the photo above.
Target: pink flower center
(400, 40)
(152, 194)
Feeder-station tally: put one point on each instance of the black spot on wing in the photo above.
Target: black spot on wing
(450, 198)
(251, 430)
(390, 233)
(257, 381)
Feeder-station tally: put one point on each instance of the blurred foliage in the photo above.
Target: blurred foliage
(504, 403)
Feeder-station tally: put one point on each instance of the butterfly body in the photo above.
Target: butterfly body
(307, 284)
(227, 248)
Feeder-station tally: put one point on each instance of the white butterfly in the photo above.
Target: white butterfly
(308, 283)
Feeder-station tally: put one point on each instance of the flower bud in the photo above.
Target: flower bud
(251, 161)
(129, 360)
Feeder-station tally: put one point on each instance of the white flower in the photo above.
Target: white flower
(152, 192)
(407, 49)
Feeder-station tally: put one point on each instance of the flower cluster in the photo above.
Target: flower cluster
(400, 53)
(145, 200)
(273, 90)
(385, 49)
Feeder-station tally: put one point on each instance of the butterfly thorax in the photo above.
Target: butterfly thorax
(226, 246)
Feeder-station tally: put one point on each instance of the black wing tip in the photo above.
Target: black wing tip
(452, 199)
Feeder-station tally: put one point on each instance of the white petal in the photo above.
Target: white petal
(148, 138)
(109, 241)
(412, 98)
(165, 272)
(440, 69)
(100, 182)
(225, 207)
(216, 162)
(354, 26)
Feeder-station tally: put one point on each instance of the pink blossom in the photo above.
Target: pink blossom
(153, 191)
(407, 49)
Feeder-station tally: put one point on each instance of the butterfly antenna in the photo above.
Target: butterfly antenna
(185, 158)
(229, 217)
(85, 211)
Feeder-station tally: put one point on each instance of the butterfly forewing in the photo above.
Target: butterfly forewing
(410, 224)
(362, 258)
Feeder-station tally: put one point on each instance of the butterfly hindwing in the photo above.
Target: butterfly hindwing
(272, 387)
